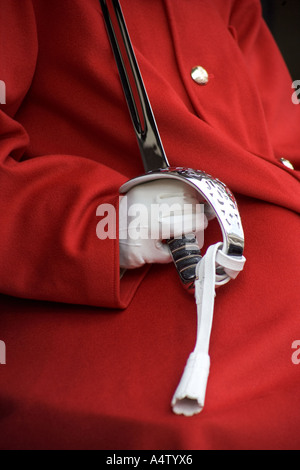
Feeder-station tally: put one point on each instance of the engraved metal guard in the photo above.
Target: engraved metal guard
(215, 195)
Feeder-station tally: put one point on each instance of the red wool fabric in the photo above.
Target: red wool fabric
(92, 361)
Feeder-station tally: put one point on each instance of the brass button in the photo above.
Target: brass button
(287, 163)
(200, 75)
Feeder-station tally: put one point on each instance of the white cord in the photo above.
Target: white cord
(190, 394)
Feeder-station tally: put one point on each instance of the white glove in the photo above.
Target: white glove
(153, 212)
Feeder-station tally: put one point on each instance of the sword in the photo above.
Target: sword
(216, 196)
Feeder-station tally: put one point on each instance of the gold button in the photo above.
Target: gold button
(199, 75)
(287, 163)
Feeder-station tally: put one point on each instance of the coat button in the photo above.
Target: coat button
(287, 163)
(199, 75)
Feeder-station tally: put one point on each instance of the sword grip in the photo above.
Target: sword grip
(186, 255)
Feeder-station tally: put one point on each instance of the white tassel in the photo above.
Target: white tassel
(190, 394)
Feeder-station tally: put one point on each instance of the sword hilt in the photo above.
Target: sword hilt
(186, 255)
(218, 201)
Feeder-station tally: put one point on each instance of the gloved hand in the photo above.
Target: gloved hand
(153, 212)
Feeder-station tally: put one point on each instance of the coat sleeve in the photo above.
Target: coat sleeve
(271, 77)
(49, 249)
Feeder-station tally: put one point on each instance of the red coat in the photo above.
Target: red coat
(96, 367)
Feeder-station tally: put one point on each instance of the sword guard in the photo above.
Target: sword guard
(218, 199)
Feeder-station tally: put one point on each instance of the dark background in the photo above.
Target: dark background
(283, 19)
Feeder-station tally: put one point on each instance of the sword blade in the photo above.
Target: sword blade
(147, 134)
